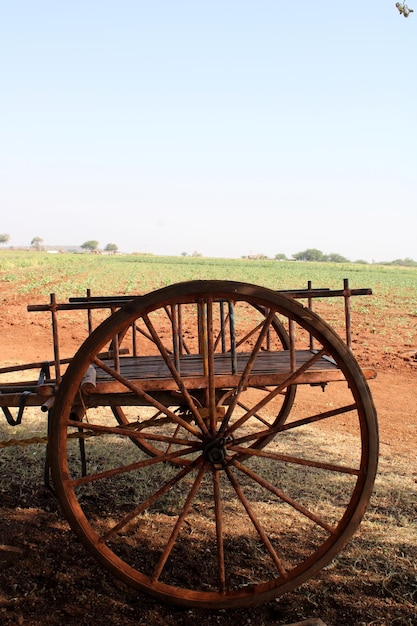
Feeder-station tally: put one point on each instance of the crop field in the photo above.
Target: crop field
(47, 578)
(385, 322)
(38, 273)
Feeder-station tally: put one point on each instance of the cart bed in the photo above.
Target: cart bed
(151, 373)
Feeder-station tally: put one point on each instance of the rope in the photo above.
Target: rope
(135, 426)
(22, 442)
(9, 443)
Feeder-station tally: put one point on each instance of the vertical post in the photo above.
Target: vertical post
(310, 306)
(199, 328)
(89, 314)
(181, 337)
(134, 340)
(55, 338)
(202, 334)
(293, 363)
(115, 344)
(211, 372)
(175, 337)
(222, 326)
(348, 321)
(232, 337)
(268, 334)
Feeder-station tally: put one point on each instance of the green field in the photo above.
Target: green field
(38, 273)
(391, 312)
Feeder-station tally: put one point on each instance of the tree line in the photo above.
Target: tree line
(91, 245)
(310, 254)
(313, 254)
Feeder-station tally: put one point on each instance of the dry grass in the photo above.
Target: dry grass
(372, 581)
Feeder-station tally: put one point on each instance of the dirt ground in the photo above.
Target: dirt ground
(46, 577)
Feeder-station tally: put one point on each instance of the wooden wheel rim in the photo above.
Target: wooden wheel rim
(246, 594)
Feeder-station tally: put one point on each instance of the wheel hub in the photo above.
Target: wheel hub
(215, 451)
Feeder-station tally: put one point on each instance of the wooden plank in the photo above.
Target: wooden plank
(150, 367)
(222, 382)
(101, 302)
(151, 373)
(14, 399)
(320, 292)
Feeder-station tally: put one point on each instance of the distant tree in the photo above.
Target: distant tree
(311, 254)
(280, 257)
(184, 253)
(91, 245)
(257, 257)
(111, 247)
(333, 257)
(361, 261)
(407, 262)
(37, 243)
(4, 238)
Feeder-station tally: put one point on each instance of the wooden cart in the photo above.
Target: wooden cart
(192, 448)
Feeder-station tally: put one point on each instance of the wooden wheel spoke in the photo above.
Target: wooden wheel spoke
(149, 398)
(296, 424)
(219, 532)
(150, 500)
(124, 469)
(175, 531)
(127, 431)
(170, 440)
(176, 375)
(256, 415)
(260, 434)
(332, 467)
(155, 436)
(183, 344)
(282, 496)
(319, 416)
(259, 529)
(250, 334)
(145, 334)
(290, 380)
(246, 372)
(174, 439)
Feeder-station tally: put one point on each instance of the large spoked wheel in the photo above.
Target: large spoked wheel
(252, 502)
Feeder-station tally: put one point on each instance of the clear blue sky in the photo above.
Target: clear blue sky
(227, 127)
